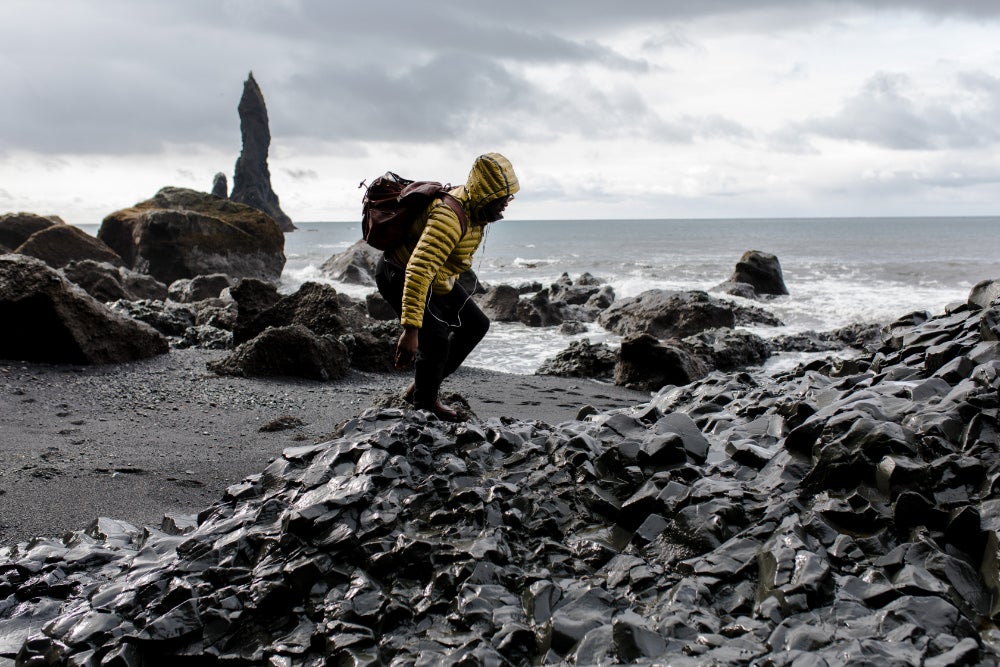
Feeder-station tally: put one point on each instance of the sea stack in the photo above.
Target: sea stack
(252, 180)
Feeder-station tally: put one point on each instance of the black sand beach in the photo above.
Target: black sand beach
(137, 441)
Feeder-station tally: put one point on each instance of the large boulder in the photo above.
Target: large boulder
(220, 186)
(182, 233)
(984, 293)
(500, 303)
(355, 266)
(761, 271)
(199, 288)
(666, 314)
(59, 245)
(645, 363)
(16, 228)
(106, 282)
(316, 306)
(582, 359)
(669, 314)
(728, 349)
(287, 351)
(252, 179)
(47, 318)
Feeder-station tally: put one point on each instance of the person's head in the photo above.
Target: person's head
(491, 186)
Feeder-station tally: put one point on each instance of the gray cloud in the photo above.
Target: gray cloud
(883, 114)
(302, 174)
(120, 77)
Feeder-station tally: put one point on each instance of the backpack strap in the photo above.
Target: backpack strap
(456, 206)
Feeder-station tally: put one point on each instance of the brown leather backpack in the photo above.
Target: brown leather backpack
(391, 204)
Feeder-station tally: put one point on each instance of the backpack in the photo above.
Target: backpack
(391, 204)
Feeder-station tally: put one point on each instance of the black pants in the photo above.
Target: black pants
(453, 326)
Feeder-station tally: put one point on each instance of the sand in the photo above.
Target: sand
(138, 441)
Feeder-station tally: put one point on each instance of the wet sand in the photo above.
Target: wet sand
(165, 436)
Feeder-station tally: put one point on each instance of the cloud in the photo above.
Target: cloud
(302, 174)
(886, 113)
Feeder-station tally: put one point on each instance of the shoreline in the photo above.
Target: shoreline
(134, 442)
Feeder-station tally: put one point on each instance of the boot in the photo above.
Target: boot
(440, 410)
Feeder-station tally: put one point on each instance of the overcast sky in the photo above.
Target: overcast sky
(644, 109)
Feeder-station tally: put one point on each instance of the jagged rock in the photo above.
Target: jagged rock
(647, 364)
(582, 359)
(984, 293)
(199, 288)
(16, 228)
(378, 308)
(49, 319)
(728, 349)
(866, 337)
(252, 298)
(220, 186)
(760, 271)
(317, 306)
(106, 282)
(666, 314)
(59, 245)
(565, 301)
(737, 519)
(355, 266)
(252, 178)
(373, 346)
(182, 233)
(287, 351)
(499, 303)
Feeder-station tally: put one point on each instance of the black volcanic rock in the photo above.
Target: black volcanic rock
(220, 186)
(47, 318)
(252, 178)
(801, 519)
(16, 228)
(182, 233)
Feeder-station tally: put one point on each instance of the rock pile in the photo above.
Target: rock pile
(840, 514)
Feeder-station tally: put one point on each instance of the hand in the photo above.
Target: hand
(406, 348)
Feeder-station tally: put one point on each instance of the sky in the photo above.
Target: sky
(631, 109)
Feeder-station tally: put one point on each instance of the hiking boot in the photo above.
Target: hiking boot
(441, 411)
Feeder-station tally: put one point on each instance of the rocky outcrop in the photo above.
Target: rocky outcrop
(354, 266)
(646, 363)
(287, 351)
(756, 274)
(199, 288)
(182, 233)
(316, 306)
(106, 282)
(565, 301)
(16, 228)
(252, 178)
(59, 245)
(220, 186)
(728, 349)
(582, 359)
(668, 314)
(46, 318)
(984, 293)
(810, 518)
(500, 303)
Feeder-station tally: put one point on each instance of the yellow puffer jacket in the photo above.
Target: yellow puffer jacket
(435, 251)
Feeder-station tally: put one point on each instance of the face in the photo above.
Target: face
(494, 210)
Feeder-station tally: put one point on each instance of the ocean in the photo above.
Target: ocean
(838, 270)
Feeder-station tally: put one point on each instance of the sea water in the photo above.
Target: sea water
(838, 270)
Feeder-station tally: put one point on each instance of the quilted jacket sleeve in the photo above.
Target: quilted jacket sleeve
(437, 241)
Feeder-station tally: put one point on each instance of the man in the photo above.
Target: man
(441, 323)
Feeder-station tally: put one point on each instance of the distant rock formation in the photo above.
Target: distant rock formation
(252, 179)
(182, 233)
(756, 274)
(220, 186)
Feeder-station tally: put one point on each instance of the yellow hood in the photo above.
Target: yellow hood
(491, 178)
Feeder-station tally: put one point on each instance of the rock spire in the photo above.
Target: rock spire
(252, 179)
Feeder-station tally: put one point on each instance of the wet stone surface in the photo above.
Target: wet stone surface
(821, 517)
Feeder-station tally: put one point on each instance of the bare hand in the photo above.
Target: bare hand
(406, 348)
